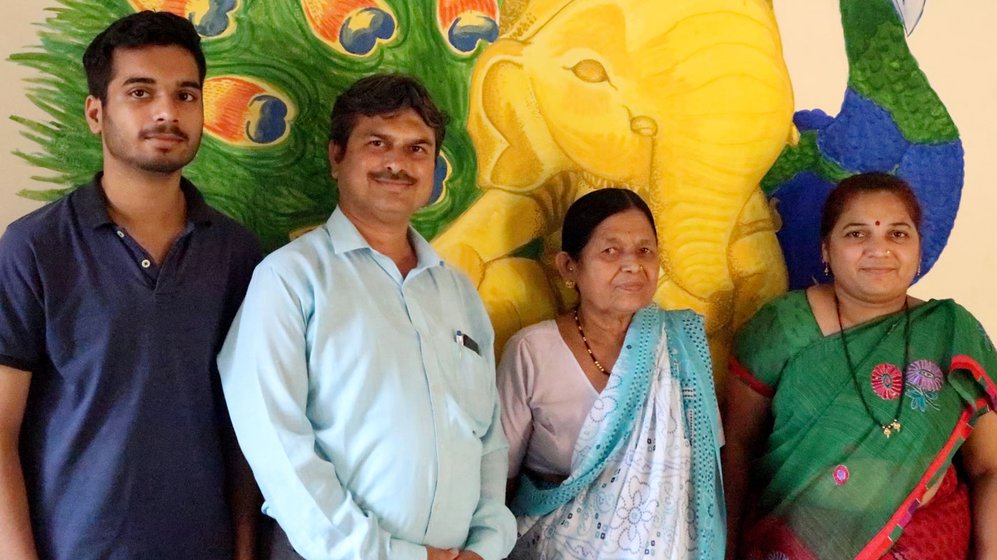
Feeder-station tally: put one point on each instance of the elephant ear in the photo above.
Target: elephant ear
(514, 148)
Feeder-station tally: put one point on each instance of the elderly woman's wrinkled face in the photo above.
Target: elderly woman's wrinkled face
(617, 271)
(874, 248)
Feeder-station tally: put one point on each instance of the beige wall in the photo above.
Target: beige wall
(953, 44)
(16, 31)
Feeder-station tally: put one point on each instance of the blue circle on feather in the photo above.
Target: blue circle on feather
(271, 123)
(216, 20)
(440, 176)
(362, 29)
(467, 30)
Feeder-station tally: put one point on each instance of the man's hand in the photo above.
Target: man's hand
(468, 555)
(441, 554)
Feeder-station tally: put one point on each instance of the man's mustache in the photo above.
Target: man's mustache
(164, 129)
(400, 176)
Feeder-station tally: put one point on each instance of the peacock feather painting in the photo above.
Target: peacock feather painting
(689, 103)
(274, 70)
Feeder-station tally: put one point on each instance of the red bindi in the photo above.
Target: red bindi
(877, 222)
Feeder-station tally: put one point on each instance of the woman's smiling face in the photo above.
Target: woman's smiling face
(617, 271)
(874, 248)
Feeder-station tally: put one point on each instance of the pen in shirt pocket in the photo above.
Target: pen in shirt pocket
(465, 341)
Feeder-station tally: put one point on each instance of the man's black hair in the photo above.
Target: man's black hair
(134, 31)
(383, 94)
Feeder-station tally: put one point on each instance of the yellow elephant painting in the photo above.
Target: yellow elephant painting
(686, 102)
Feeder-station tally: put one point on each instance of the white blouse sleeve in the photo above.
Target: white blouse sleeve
(515, 377)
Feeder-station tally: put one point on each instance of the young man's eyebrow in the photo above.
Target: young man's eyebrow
(145, 80)
(138, 80)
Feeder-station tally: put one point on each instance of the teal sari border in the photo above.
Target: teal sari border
(636, 365)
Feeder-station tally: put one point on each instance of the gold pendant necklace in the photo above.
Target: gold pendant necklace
(892, 427)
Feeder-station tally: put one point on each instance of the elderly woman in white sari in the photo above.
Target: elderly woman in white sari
(610, 409)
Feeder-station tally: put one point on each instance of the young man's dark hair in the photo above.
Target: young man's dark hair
(383, 94)
(137, 30)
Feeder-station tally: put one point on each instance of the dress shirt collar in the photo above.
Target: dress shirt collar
(93, 204)
(346, 237)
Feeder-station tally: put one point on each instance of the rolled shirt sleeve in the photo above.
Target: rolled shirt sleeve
(22, 325)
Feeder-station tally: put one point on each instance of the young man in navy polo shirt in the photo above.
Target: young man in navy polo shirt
(114, 441)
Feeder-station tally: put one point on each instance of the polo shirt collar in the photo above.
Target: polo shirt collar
(92, 204)
(346, 237)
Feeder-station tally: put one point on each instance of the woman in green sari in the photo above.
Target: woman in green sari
(864, 424)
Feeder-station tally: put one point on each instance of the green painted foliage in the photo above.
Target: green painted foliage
(272, 189)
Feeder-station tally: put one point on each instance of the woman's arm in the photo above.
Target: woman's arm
(746, 423)
(979, 457)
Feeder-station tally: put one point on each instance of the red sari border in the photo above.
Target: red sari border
(962, 361)
(885, 539)
(749, 379)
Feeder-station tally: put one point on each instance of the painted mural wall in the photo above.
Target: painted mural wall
(688, 103)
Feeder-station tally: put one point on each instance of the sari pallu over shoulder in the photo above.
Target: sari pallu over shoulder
(833, 486)
(609, 432)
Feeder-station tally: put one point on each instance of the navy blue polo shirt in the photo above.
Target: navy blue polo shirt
(121, 439)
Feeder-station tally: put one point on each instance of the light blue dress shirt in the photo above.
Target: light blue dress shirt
(371, 424)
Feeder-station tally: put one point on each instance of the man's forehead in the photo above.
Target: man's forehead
(400, 122)
(127, 62)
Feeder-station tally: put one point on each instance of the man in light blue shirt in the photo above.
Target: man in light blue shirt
(359, 372)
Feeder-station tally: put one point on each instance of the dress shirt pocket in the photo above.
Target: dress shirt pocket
(472, 385)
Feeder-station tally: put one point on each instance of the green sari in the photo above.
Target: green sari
(831, 484)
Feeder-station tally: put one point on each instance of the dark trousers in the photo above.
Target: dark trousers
(273, 542)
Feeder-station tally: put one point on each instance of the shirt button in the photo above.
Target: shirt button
(121, 234)
(146, 263)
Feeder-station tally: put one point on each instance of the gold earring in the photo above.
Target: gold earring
(569, 284)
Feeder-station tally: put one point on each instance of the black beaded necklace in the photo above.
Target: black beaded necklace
(893, 426)
(598, 366)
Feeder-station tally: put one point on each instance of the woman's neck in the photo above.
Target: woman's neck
(604, 328)
(853, 311)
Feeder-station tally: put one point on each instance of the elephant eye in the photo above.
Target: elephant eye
(590, 71)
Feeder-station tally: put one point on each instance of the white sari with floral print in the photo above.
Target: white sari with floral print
(638, 507)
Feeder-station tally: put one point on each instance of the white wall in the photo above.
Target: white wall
(953, 43)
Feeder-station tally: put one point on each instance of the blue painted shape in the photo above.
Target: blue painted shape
(440, 175)
(216, 20)
(272, 121)
(813, 119)
(359, 39)
(863, 137)
(465, 32)
(936, 173)
(800, 201)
